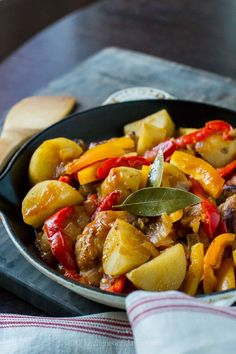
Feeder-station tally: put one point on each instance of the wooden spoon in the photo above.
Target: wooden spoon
(28, 117)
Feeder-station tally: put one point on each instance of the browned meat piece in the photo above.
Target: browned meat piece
(89, 245)
(230, 187)
(228, 213)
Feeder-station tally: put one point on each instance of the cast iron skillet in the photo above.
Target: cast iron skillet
(93, 125)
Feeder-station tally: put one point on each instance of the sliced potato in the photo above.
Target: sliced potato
(125, 248)
(217, 151)
(149, 137)
(49, 155)
(173, 177)
(124, 179)
(45, 198)
(160, 119)
(165, 272)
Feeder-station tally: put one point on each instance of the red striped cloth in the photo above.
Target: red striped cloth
(175, 323)
(160, 323)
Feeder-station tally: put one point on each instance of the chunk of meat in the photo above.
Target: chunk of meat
(228, 213)
(230, 187)
(89, 245)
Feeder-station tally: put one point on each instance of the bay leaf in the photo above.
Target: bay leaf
(153, 201)
(155, 175)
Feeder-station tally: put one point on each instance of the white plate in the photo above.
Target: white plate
(137, 93)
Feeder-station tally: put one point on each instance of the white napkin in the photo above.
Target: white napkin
(163, 323)
(174, 323)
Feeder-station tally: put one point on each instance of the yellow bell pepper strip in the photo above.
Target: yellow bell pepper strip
(209, 279)
(234, 258)
(195, 270)
(176, 216)
(88, 174)
(112, 148)
(208, 177)
(225, 275)
(216, 249)
(144, 176)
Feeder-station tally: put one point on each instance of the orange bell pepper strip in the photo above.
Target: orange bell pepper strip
(200, 170)
(215, 251)
(195, 270)
(113, 148)
(225, 275)
(209, 279)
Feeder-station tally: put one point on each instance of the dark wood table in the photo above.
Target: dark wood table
(200, 34)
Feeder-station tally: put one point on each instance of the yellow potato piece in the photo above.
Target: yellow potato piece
(49, 155)
(149, 137)
(124, 179)
(125, 248)
(165, 272)
(45, 198)
(160, 119)
(217, 151)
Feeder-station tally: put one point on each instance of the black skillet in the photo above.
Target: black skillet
(93, 125)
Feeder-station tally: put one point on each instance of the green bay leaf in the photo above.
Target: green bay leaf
(155, 175)
(153, 201)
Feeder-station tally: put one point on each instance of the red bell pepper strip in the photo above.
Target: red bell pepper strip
(228, 169)
(211, 214)
(128, 161)
(167, 147)
(66, 179)
(211, 127)
(221, 228)
(108, 202)
(60, 245)
(72, 274)
(196, 188)
(118, 285)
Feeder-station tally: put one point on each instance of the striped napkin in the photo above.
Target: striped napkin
(163, 323)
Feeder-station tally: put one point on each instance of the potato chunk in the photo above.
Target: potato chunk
(49, 155)
(160, 119)
(165, 272)
(124, 179)
(149, 137)
(45, 198)
(125, 248)
(217, 151)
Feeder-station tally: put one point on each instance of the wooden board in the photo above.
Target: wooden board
(92, 82)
